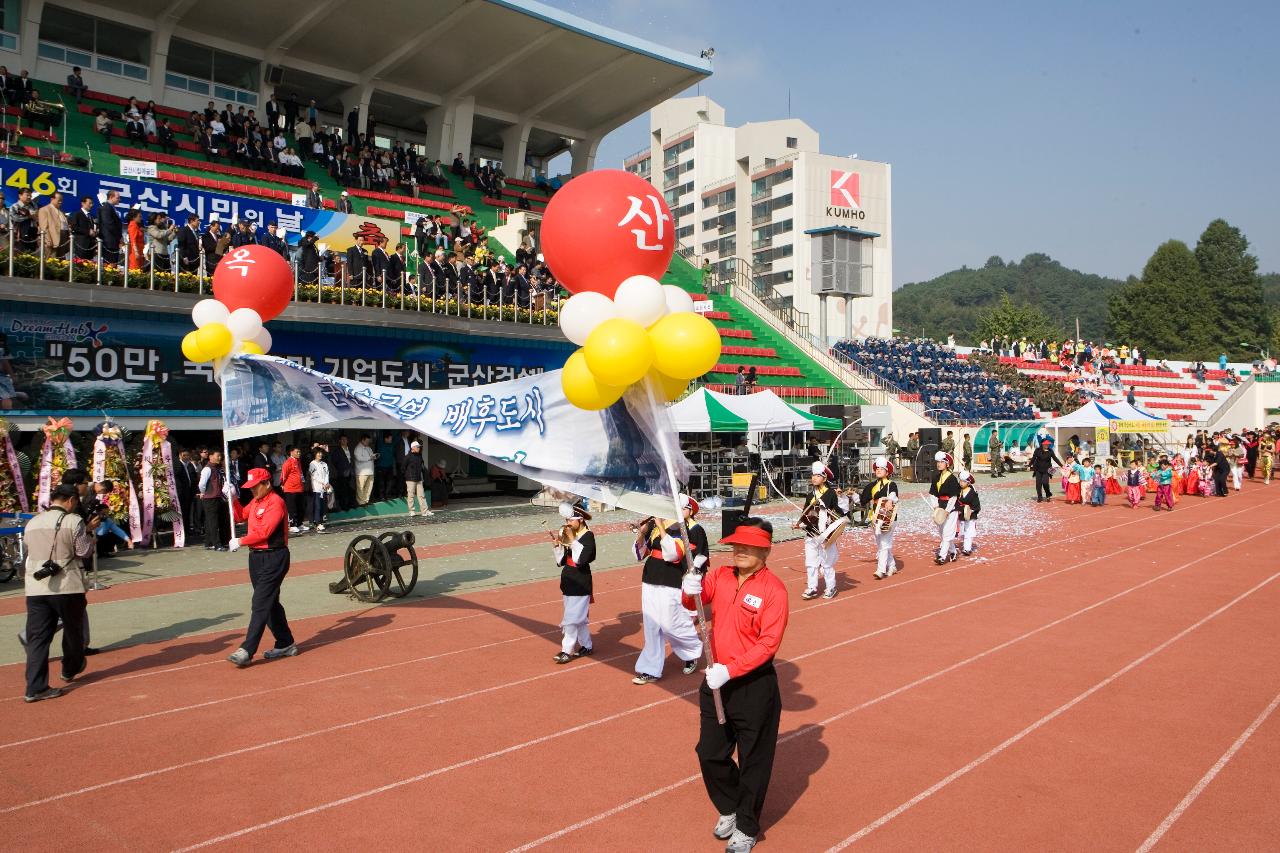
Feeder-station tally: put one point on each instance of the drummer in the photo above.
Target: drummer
(944, 491)
(882, 488)
(823, 512)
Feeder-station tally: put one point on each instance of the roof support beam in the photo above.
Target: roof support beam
(475, 81)
(301, 27)
(428, 35)
(175, 10)
(578, 85)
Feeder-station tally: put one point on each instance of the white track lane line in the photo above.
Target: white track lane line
(1208, 777)
(804, 730)
(592, 724)
(352, 673)
(1047, 718)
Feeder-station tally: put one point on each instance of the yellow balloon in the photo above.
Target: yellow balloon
(581, 388)
(251, 348)
(191, 348)
(618, 352)
(214, 340)
(685, 345)
(669, 388)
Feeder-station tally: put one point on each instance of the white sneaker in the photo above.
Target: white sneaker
(412, 514)
(725, 826)
(320, 528)
(427, 512)
(739, 842)
(295, 530)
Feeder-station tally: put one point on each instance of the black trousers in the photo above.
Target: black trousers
(211, 512)
(43, 613)
(1220, 482)
(752, 710)
(1042, 484)
(266, 572)
(294, 506)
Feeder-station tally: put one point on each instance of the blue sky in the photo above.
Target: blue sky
(1090, 131)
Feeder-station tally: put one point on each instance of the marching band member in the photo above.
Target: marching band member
(698, 542)
(575, 550)
(945, 491)
(970, 505)
(666, 620)
(882, 488)
(822, 508)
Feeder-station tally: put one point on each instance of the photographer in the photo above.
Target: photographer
(57, 540)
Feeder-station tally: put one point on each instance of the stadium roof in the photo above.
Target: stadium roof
(521, 61)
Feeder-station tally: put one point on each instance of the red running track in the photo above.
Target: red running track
(1110, 686)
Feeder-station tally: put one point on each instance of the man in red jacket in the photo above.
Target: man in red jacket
(749, 611)
(267, 539)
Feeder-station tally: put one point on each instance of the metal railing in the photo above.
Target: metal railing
(97, 265)
(1228, 402)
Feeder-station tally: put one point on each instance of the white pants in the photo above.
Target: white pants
(1237, 476)
(885, 564)
(947, 536)
(665, 621)
(968, 532)
(577, 630)
(415, 494)
(819, 562)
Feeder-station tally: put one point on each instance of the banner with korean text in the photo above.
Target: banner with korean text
(525, 426)
(338, 231)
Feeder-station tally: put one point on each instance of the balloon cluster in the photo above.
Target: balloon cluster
(607, 235)
(251, 285)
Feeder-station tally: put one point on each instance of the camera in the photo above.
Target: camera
(48, 570)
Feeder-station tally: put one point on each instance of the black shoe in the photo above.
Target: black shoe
(49, 693)
(584, 653)
(938, 561)
(966, 553)
(690, 667)
(952, 558)
(90, 650)
(562, 658)
(220, 548)
(209, 548)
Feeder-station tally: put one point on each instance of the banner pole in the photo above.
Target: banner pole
(670, 464)
(226, 451)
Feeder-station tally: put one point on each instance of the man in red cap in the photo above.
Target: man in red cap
(749, 608)
(267, 539)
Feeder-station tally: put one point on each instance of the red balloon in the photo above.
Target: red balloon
(254, 277)
(604, 226)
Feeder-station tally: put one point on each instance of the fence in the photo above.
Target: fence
(95, 265)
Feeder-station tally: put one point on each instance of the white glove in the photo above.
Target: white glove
(692, 585)
(227, 491)
(893, 498)
(717, 676)
(233, 545)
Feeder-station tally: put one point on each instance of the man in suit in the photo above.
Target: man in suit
(379, 261)
(314, 200)
(275, 242)
(236, 472)
(209, 241)
(344, 203)
(273, 112)
(397, 266)
(110, 228)
(75, 84)
(84, 230)
(342, 474)
(186, 477)
(189, 245)
(52, 223)
(164, 136)
(358, 272)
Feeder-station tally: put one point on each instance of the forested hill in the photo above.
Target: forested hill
(952, 302)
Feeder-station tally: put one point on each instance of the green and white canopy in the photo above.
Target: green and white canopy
(763, 411)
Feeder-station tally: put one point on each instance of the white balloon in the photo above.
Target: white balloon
(208, 311)
(678, 300)
(582, 312)
(244, 323)
(641, 298)
(263, 339)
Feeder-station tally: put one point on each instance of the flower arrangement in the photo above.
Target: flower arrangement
(159, 491)
(13, 466)
(57, 456)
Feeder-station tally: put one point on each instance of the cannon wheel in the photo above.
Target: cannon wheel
(365, 568)
(403, 578)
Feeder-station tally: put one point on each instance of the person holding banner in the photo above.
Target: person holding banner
(267, 539)
(749, 605)
(661, 547)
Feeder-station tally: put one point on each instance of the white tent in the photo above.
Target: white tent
(763, 411)
(1095, 414)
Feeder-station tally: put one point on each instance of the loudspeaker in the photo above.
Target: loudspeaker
(730, 519)
(275, 75)
(931, 435)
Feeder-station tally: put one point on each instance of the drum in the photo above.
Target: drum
(886, 513)
(968, 513)
(940, 516)
(831, 533)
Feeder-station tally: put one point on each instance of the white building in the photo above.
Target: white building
(761, 199)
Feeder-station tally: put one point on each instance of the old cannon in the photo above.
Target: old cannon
(374, 567)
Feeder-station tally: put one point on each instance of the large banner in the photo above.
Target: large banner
(68, 359)
(525, 426)
(338, 231)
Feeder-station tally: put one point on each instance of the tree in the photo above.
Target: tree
(1235, 289)
(1167, 312)
(994, 262)
(1016, 321)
